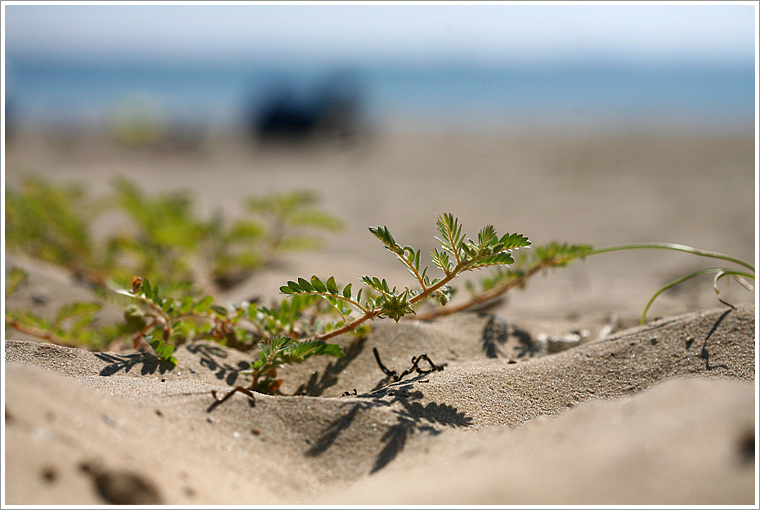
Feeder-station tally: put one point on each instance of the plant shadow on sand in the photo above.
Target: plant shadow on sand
(150, 363)
(705, 354)
(316, 385)
(411, 417)
(206, 355)
(408, 415)
(210, 357)
(496, 337)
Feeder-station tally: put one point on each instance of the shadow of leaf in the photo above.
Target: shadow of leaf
(331, 433)
(149, 363)
(210, 356)
(395, 440)
(317, 384)
(411, 417)
(496, 336)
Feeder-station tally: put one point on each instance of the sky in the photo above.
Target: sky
(413, 33)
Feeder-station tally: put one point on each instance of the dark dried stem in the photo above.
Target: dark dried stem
(484, 297)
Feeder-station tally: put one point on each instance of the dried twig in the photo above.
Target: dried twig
(414, 368)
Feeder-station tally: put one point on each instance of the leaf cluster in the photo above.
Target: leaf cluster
(282, 350)
(49, 222)
(13, 281)
(489, 250)
(540, 258)
(457, 255)
(74, 324)
(288, 214)
(161, 238)
(164, 322)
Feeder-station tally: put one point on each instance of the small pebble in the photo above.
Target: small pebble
(49, 474)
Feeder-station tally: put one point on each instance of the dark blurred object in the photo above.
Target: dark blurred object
(331, 111)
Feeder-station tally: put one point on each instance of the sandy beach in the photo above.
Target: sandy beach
(574, 403)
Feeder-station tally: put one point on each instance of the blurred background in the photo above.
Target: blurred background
(181, 72)
(595, 123)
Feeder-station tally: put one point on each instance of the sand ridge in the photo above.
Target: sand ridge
(69, 409)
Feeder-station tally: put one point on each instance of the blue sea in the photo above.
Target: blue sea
(428, 97)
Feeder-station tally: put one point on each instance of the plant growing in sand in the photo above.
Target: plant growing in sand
(316, 309)
(552, 255)
(164, 322)
(718, 272)
(456, 256)
(73, 324)
(297, 329)
(160, 239)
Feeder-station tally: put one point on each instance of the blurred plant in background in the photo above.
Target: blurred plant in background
(163, 238)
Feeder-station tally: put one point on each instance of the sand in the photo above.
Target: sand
(552, 396)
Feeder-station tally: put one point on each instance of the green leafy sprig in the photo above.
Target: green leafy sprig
(166, 322)
(161, 238)
(49, 222)
(527, 264)
(554, 254)
(282, 350)
(73, 325)
(458, 255)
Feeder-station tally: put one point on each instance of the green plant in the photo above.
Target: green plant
(169, 243)
(50, 223)
(457, 256)
(162, 238)
(73, 324)
(719, 272)
(212, 255)
(13, 281)
(165, 241)
(554, 255)
(528, 263)
(164, 322)
(282, 350)
(287, 334)
(283, 222)
(286, 213)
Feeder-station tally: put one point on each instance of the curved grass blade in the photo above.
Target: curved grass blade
(719, 273)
